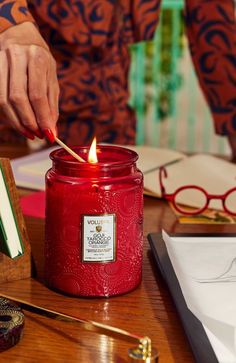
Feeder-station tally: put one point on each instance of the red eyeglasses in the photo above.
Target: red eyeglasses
(203, 198)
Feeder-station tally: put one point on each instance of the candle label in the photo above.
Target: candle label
(99, 238)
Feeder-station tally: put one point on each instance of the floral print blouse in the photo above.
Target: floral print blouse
(89, 40)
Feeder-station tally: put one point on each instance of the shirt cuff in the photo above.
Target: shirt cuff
(13, 13)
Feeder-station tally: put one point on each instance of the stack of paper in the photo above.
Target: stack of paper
(206, 271)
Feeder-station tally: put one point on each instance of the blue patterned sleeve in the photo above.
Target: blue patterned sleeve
(13, 13)
(141, 18)
(211, 29)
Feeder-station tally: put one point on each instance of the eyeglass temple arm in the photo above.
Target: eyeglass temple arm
(162, 173)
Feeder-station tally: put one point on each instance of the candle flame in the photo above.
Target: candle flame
(92, 156)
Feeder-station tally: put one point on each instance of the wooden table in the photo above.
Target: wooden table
(148, 310)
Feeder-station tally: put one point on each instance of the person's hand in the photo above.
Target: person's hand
(232, 143)
(29, 88)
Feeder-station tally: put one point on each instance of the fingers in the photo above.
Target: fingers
(53, 95)
(18, 85)
(39, 62)
(28, 89)
(8, 115)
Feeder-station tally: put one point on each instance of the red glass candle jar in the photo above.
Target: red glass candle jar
(94, 214)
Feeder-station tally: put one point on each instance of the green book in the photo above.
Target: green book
(10, 239)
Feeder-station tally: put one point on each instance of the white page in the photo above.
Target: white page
(152, 158)
(36, 168)
(200, 264)
(29, 171)
(222, 353)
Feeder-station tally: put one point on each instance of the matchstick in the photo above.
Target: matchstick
(69, 150)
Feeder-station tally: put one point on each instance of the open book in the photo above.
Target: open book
(29, 171)
(213, 174)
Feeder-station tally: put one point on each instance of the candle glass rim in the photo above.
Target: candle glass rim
(133, 156)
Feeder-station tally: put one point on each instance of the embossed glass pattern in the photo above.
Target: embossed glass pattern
(113, 187)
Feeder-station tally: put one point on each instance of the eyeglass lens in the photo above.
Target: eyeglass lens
(191, 196)
(230, 202)
(198, 200)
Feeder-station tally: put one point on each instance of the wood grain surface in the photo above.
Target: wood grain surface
(148, 310)
(15, 269)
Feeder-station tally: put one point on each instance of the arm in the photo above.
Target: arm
(13, 13)
(211, 30)
(30, 103)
